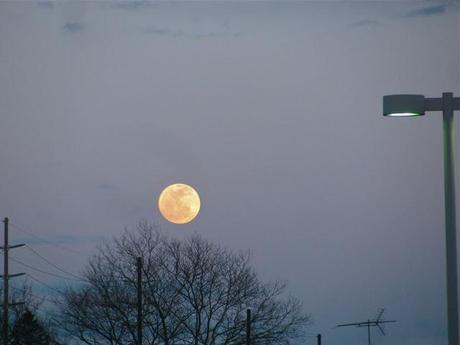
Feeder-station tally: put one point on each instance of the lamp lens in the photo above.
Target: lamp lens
(403, 114)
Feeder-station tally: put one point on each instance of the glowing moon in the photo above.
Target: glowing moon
(179, 203)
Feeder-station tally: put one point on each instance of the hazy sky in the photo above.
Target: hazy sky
(272, 110)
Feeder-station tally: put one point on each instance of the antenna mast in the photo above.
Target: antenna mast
(377, 322)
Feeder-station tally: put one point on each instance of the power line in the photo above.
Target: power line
(31, 294)
(44, 284)
(44, 272)
(67, 249)
(54, 265)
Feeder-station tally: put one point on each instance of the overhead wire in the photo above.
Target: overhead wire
(75, 277)
(44, 284)
(54, 265)
(43, 271)
(62, 247)
(31, 294)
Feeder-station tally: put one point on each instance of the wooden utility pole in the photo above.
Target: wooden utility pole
(6, 277)
(248, 327)
(139, 300)
(319, 339)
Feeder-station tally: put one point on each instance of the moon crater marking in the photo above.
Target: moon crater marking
(179, 203)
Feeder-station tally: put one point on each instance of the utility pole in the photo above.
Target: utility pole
(319, 339)
(139, 300)
(369, 331)
(248, 326)
(6, 277)
(5, 283)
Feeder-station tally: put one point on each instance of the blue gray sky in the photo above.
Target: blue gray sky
(272, 110)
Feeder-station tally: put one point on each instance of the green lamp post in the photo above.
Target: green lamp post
(417, 105)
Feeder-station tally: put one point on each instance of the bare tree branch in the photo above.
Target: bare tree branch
(195, 293)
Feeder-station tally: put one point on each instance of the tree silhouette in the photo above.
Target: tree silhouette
(28, 330)
(25, 324)
(195, 292)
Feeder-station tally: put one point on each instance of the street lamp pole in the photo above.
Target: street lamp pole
(450, 217)
(414, 105)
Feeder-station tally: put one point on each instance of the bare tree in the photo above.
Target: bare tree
(195, 293)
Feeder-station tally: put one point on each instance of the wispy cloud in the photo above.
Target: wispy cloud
(427, 11)
(73, 27)
(133, 4)
(163, 31)
(46, 4)
(177, 33)
(107, 187)
(61, 239)
(365, 23)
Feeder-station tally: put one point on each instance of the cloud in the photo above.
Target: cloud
(163, 31)
(61, 240)
(107, 187)
(133, 4)
(46, 4)
(73, 27)
(181, 33)
(427, 11)
(365, 22)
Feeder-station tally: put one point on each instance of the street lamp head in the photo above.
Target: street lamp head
(403, 105)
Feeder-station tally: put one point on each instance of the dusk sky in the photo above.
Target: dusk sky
(272, 110)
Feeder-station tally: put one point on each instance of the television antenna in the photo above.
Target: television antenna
(376, 322)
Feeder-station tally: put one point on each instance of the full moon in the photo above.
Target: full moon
(179, 203)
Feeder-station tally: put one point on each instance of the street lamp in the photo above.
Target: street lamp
(417, 105)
